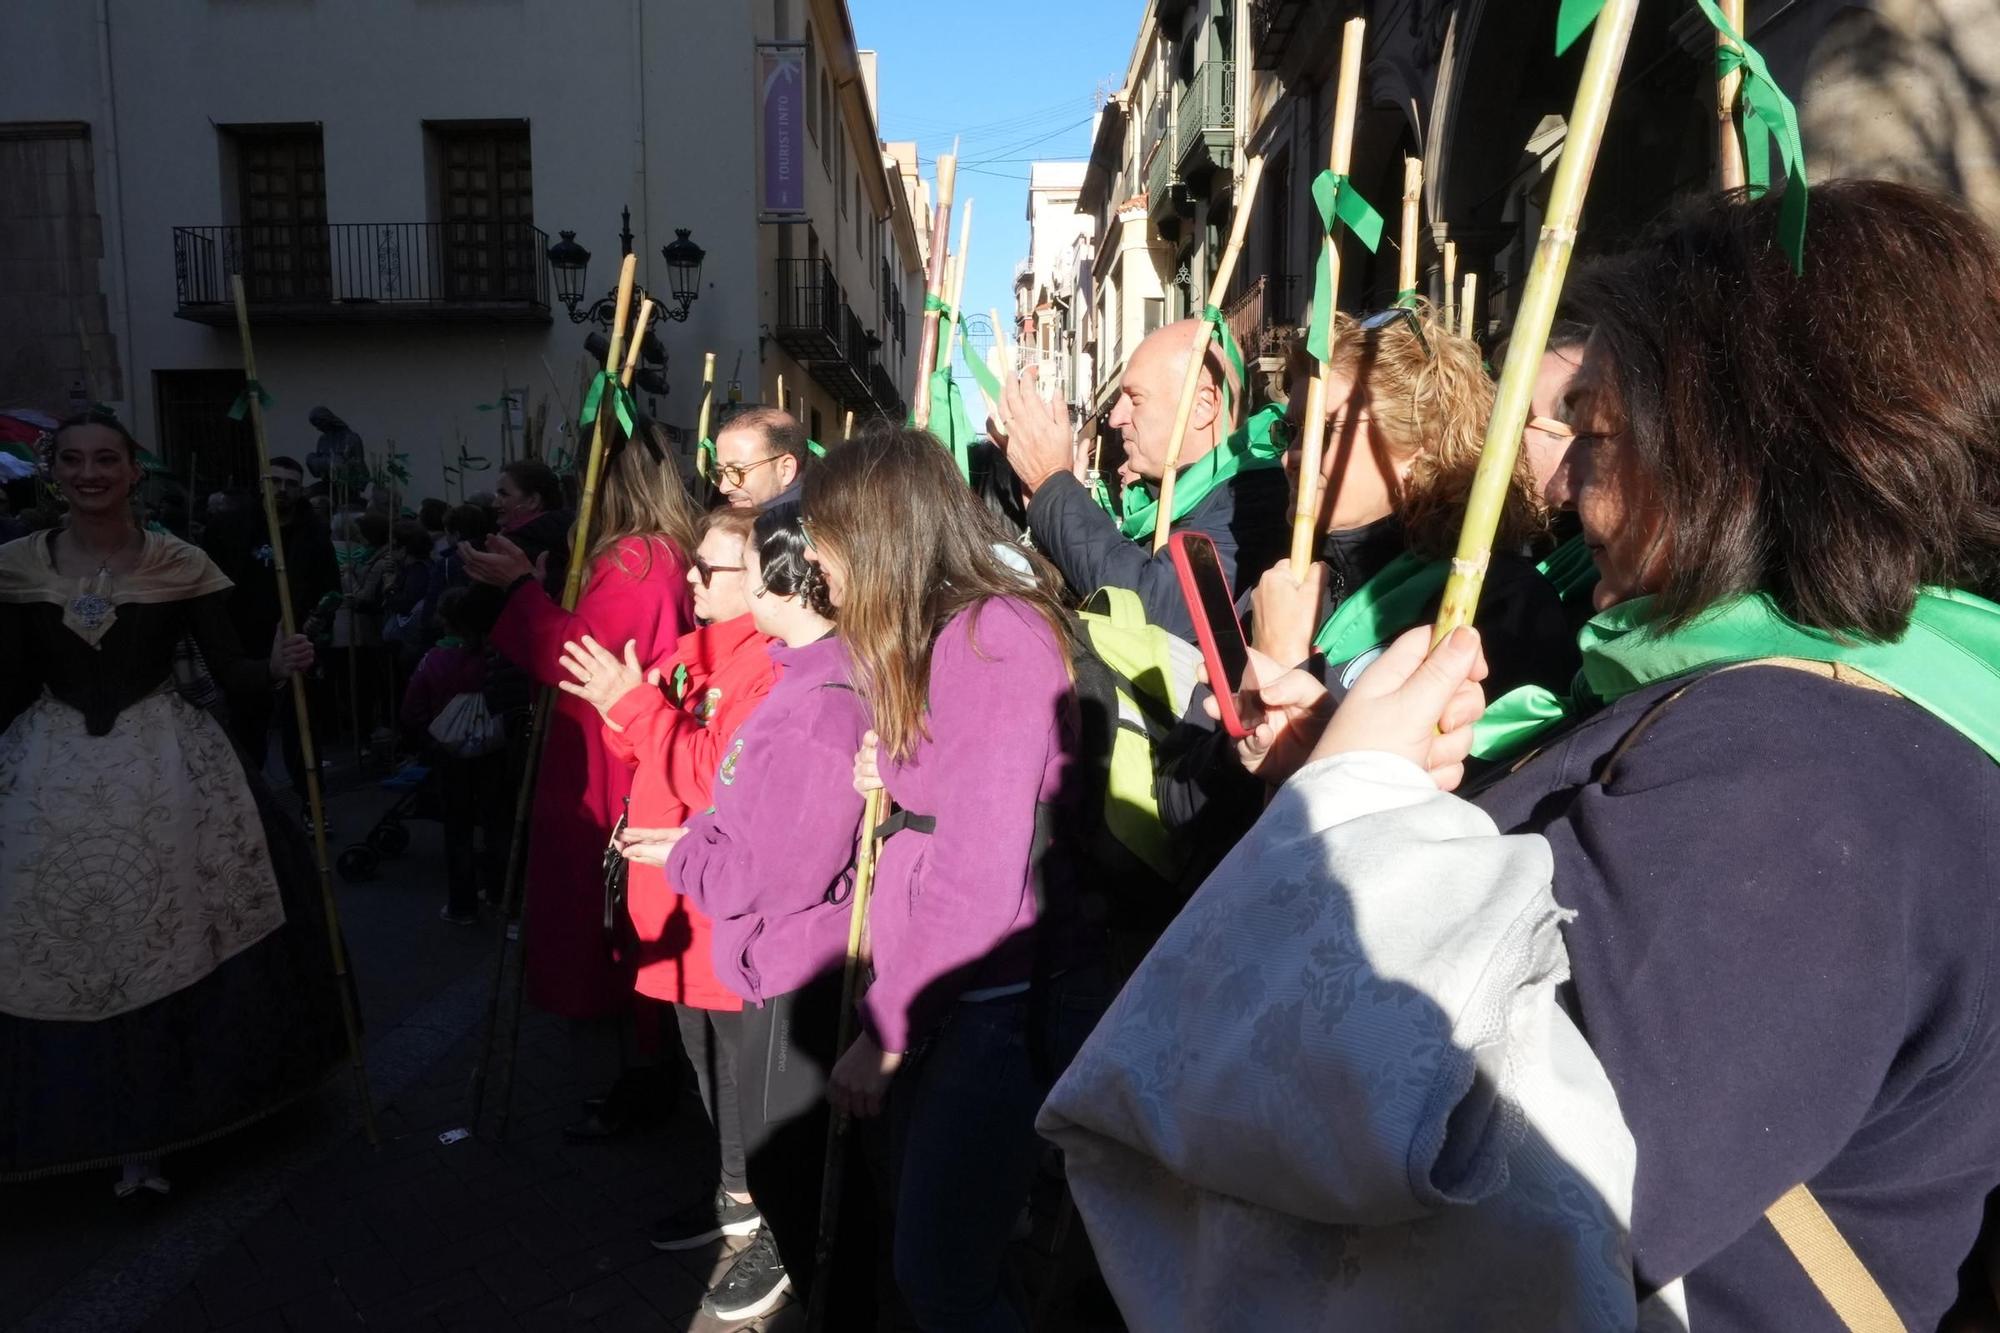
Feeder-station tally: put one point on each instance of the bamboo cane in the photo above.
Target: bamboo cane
(1218, 287)
(781, 394)
(847, 427)
(1467, 299)
(872, 814)
(1411, 244)
(579, 547)
(1305, 522)
(1450, 284)
(1727, 88)
(1535, 315)
(315, 801)
(927, 341)
(957, 288)
(701, 421)
(637, 341)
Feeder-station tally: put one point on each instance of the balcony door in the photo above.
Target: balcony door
(280, 172)
(486, 205)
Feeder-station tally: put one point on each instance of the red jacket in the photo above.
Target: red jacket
(675, 737)
(638, 593)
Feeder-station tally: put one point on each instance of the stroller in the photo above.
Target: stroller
(389, 836)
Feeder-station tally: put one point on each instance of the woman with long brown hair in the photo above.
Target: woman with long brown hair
(634, 591)
(986, 979)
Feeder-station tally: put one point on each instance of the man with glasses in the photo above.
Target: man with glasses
(1241, 507)
(760, 458)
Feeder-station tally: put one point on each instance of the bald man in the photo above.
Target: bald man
(1244, 515)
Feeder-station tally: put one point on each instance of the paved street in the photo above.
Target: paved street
(297, 1224)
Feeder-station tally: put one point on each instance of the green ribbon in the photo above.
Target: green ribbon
(678, 686)
(932, 301)
(621, 402)
(241, 407)
(815, 448)
(1339, 203)
(1573, 20)
(1383, 607)
(1407, 298)
(989, 383)
(1231, 353)
(1246, 450)
(1570, 568)
(471, 462)
(1765, 114)
(1100, 495)
(948, 406)
(1947, 663)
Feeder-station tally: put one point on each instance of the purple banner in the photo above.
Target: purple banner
(782, 81)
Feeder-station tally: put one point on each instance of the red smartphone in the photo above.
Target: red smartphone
(1216, 627)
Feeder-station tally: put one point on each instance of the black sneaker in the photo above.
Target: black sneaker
(753, 1286)
(711, 1219)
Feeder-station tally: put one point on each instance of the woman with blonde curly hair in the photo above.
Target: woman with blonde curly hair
(1407, 406)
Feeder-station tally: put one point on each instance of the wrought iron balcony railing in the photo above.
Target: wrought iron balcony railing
(363, 271)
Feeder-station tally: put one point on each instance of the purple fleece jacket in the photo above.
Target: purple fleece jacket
(769, 864)
(953, 910)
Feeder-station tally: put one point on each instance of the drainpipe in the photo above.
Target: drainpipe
(112, 193)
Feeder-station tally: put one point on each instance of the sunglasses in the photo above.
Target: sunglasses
(708, 571)
(1383, 319)
(733, 474)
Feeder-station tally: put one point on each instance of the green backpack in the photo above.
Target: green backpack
(1134, 682)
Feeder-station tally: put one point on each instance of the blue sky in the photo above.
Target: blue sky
(1017, 82)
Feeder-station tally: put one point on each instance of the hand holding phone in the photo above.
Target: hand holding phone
(1216, 629)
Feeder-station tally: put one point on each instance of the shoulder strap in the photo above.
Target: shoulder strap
(1835, 1269)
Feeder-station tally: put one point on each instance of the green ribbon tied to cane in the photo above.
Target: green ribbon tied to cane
(1407, 298)
(241, 407)
(983, 376)
(815, 448)
(1573, 20)
(1339, 204)
(1764, 113)
(621, 402)
(705, 463)
(1231, 353)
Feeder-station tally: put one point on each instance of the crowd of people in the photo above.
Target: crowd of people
(1526, 981)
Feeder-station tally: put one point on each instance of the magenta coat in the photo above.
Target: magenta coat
(637, 593)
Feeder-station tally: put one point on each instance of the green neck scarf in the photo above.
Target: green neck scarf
(1248, 450)
(1570, 568)
(1381, 608)
(1947, 663)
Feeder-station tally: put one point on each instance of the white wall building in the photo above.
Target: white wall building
(1046, 282)
(388, 179)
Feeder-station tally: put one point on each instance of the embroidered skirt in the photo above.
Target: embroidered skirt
(164, 970)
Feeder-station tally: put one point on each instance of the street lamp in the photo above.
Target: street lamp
(683, 258)
(571, 263)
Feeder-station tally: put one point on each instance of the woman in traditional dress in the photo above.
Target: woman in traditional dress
(164, 970)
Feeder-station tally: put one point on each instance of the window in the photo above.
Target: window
(193, 428)
(486, 210)
(1155, 312)
(813, 120)
(825, 116)
(813, 428)
(281, 202)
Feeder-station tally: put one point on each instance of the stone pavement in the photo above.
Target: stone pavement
(298, 1224)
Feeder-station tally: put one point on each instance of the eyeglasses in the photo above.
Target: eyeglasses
(708, 571)
(1560, 430)
(732, 474)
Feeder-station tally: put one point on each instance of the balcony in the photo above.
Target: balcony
(363, 272)
(1273, 24)
(881, 387)
(1205, 122)
(1165, 199)
(809, 307)
(1265, 319)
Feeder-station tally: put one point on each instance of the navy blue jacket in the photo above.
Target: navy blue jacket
(1248, 518)
(1783, 954)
